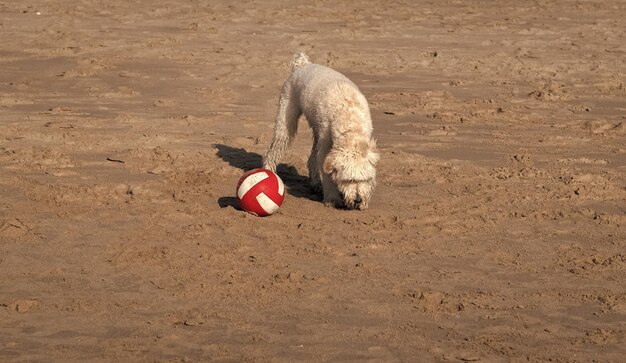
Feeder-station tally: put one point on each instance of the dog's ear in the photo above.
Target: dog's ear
(329, 163)
(372, 154)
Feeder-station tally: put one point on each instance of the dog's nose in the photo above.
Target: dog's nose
(358, 200)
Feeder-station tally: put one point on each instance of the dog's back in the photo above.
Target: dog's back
(325, 94)
(307, 74)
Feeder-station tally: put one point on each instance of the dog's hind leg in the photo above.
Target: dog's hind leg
(285, 127)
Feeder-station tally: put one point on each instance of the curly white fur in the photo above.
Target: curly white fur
(343, 157)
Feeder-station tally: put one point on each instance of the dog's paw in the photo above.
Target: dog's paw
(333, 203)
(330, 204)
(270, 167)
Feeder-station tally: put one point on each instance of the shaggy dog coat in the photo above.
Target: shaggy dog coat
(343, 157)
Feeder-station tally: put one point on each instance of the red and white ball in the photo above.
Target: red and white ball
(260, 192)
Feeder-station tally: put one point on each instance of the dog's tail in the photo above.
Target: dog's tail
(299, 59)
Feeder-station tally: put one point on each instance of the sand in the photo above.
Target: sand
(497, 231)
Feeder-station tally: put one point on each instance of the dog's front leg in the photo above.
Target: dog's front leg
(315, 170)
(332, 196)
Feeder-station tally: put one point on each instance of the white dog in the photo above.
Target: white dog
(343, 157)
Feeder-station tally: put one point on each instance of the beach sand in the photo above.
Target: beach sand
(497, 231)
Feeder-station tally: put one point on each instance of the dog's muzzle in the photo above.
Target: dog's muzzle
(355, 204)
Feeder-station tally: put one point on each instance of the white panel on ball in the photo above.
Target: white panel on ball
(250, 182)
(266, 203)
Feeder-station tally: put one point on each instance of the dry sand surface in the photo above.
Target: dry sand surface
(497, 232)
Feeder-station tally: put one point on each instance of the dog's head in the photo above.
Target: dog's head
(352, 169)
